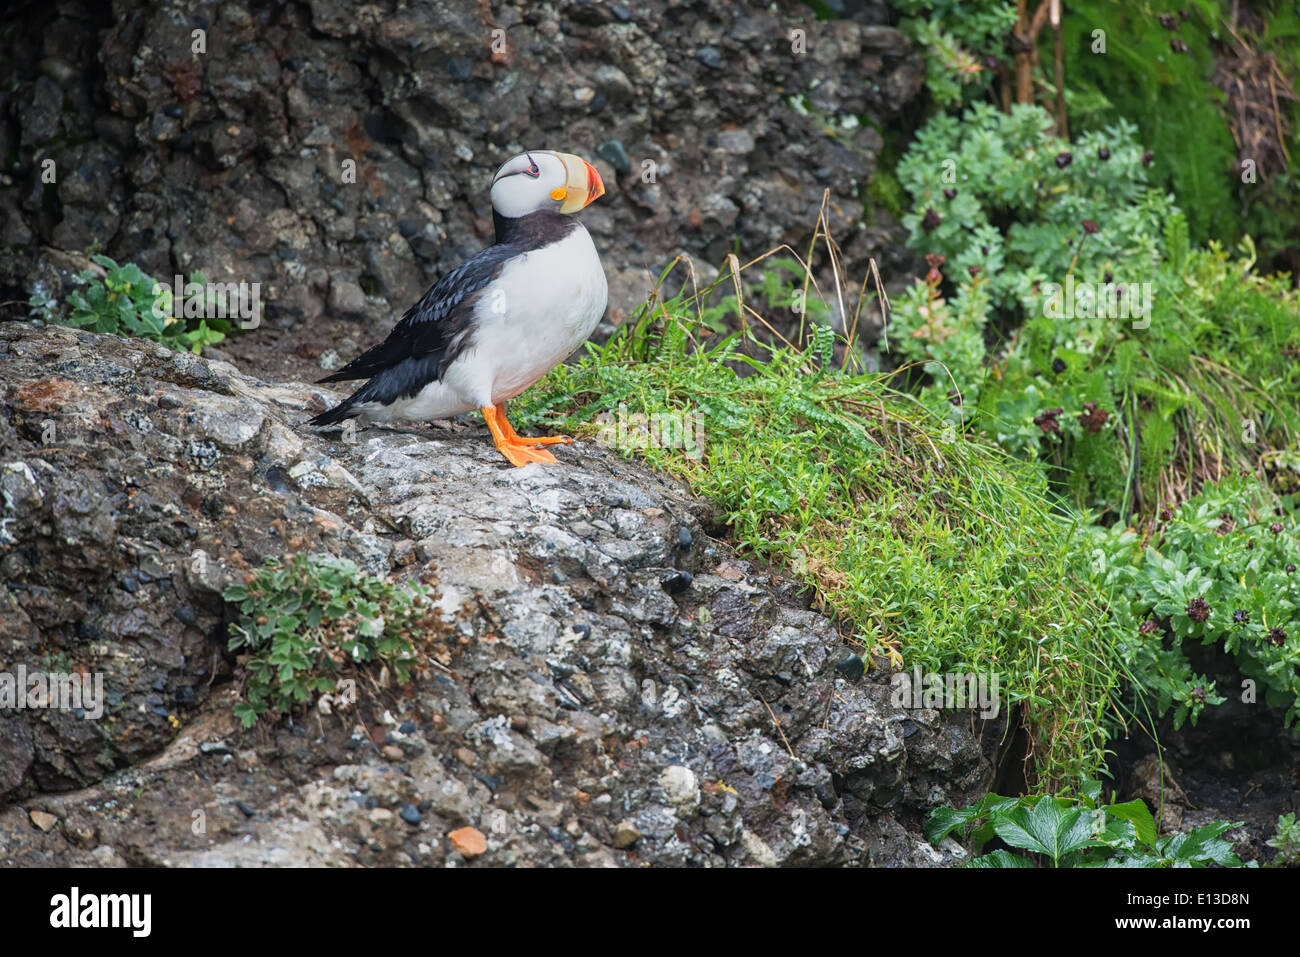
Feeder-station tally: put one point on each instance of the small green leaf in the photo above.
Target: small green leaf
(999, 859)
(1139, 815)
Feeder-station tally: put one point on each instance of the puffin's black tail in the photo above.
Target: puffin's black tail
(337, 414)
(402, 380)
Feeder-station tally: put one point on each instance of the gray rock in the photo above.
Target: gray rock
(626, 834)
(346, 298)
(564, 720)
(234, 162)
(681, 789)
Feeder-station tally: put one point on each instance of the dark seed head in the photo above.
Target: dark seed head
(984, 250)
(1147, 158)
(930, 221)
(1103, 153)
(1092, 418)
(1275, 528)
(1290, 569)
(1064, 159)
(935, 260)
(1276, 636)
(1047, 420)
(1199, 692)
(1108, 278)
(949, 194)
(973, 270)
(1058, 366)
(1250, 543)
(1240, 617)
(1166, 514)
(1199, 610)
(1090, 227)
(1178, 45)
(1168, 22)
(1147, 627)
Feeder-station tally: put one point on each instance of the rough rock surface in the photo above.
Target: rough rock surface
(712, 122)
(600, 708)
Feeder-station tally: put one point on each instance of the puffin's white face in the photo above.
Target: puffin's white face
(542, 179)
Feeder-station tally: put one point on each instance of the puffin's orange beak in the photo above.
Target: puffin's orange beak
(583, 186)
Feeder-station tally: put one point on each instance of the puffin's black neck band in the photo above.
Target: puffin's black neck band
(534, 230)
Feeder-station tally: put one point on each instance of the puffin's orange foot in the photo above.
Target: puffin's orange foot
(523, 454)
(509, 432)
(549, 440)
(517, 449)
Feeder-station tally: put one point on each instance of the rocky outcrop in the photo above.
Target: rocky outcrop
(622, 688)
(217, 136)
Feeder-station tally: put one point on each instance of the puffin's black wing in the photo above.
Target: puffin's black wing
(435, 323)
(429, 336)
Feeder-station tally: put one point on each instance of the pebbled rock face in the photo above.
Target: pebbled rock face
(233, 160)
(625, 690)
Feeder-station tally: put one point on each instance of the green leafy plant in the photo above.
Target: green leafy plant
(1078, 831)
(1222, 571)
(999, 193)
(1206, 389)
(1286, 841)
(957, 36)
(1192, 379)
(305, 622)
(127, 302)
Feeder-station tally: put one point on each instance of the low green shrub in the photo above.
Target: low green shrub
(1000, 194)
(957, 36)
(127, 302)
(1221, 571)
(1192, 378)
(305, 622)
(1286, 841)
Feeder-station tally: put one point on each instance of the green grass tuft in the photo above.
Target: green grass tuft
(936, 551)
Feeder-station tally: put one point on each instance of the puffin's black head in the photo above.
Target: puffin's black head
(544, 180)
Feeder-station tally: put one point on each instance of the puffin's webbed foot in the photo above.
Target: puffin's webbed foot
(517, 449)
(548, 440)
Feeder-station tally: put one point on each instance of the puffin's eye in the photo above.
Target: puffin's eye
(533, 171)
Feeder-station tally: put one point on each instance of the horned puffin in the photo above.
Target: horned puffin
(501, 320)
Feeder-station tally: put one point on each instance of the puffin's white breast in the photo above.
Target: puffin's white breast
(537, 313)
